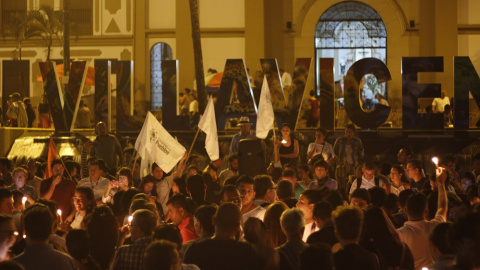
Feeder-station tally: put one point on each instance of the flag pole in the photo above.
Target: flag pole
(194, 139)
(59, 157)
(136, 157)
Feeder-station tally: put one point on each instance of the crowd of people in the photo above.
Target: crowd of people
(21, 113)
(338, 211)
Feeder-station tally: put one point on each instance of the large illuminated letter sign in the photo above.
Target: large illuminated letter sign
(124, 106)
(466, 81)
(412, 90)
(356, 72)
(327, 93)
(103, 91)
(63, 104)
(170, 100)
(235, 96)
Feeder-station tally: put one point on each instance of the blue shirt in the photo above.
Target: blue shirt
(236, 139)
(131, 256)
(44, 257)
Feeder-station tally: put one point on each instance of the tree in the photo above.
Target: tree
(197, 52)
(17, 30)
(46, 24)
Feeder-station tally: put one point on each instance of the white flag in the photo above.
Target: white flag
(156, 144)
(265, 116)
(209, 125)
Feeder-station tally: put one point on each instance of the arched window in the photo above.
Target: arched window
(348, 32)
(160, 51)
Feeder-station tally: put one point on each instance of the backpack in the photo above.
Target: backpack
(359, 182)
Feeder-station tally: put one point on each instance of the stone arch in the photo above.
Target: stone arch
(400, 42)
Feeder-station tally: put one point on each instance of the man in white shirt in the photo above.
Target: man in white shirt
(368, 179)
(415, 233)
(438, 104)
(245, 185)
(95, 181)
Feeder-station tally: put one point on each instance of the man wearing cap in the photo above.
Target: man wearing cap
(17, 112)
(245, 133)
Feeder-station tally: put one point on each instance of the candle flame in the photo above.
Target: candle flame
(435, 160)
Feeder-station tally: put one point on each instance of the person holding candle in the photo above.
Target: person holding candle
(84, 202)
(286, 149)
(321, 147)
(59, 189)
(20, 176)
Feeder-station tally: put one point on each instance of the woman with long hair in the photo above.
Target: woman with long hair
(286, 148)
(380, 237)
(79, 246)
(256, 234)
(272, 223)
(84, 202)
(103, 230)
(399, 180)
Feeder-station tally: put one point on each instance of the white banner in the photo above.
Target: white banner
(265, 116)
(209, 125)
(156, 144)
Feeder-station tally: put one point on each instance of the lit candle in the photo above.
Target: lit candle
(24, 236)
(24, 200)
(59, 213)
(435, 161)
(130, 218)
(284, 141)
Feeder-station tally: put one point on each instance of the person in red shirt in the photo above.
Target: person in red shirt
(59, 189)
(180, 212)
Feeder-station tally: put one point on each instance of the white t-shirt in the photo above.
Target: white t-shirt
(326, 149)
(395, 190)
(415, 234)
(366, 184)
(440, 103)
(193, 107)
(77, 221)
(98, 187)
(309, 229)
(258, 212)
